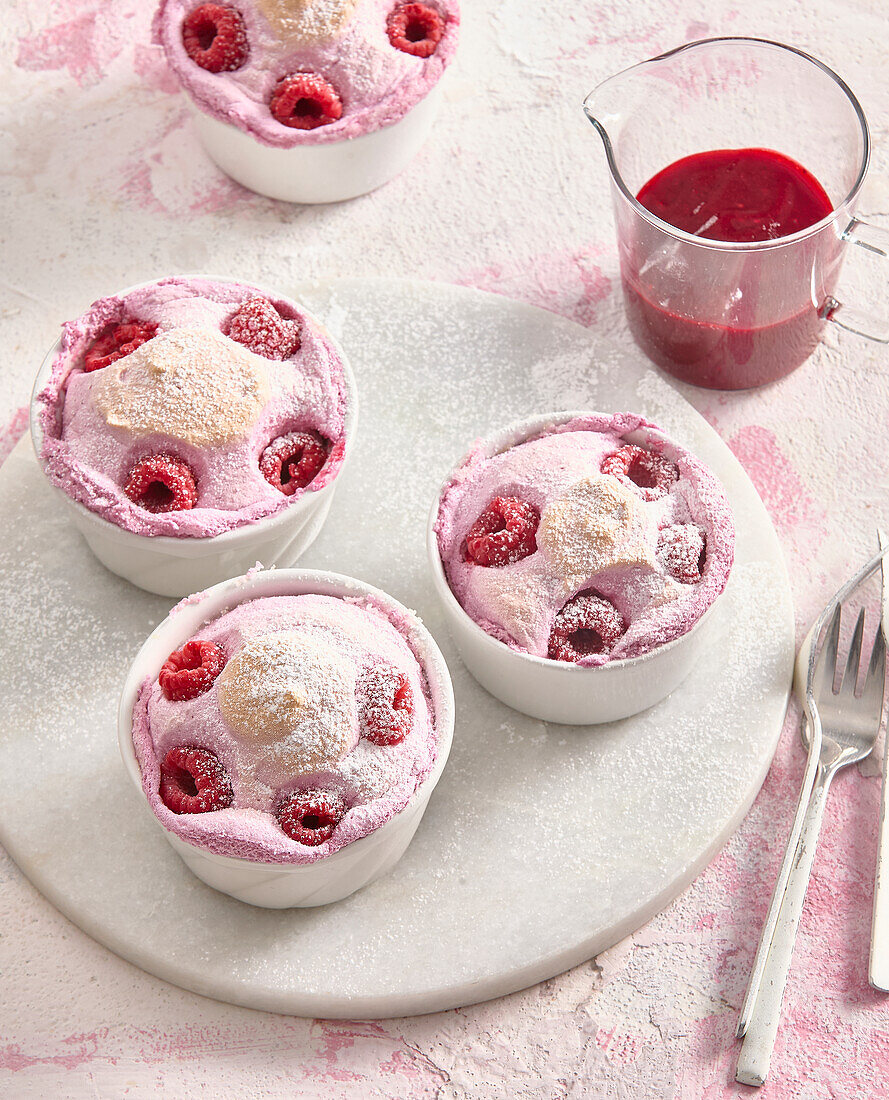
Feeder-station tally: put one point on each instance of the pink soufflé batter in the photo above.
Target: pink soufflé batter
(193, 392)
(599, 532)
(305, 729)
(343, 42)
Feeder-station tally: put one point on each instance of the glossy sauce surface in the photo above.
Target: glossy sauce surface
(743, 196)
(736, 195)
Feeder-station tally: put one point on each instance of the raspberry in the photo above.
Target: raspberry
(586, 624)
(162, 483)
(116, 342)
(504, 533)
(214, 37)
(305, 101)
(415, 29)
(191, 670)
(385, 705)
(309, 817)
(649, 473)
(291, 461)
(193, 781)
(260, 328)
(681, 550)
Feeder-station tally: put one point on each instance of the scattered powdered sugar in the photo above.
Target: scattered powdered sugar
(370, 770)
(680, 551)
(291, 696)
(595, 525)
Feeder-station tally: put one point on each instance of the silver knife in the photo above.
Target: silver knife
(878, 972)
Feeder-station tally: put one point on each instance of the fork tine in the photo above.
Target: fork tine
(875, 682)
(826, 663)
(853, 661)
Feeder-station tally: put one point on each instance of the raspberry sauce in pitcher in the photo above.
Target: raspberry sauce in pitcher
(757, 334)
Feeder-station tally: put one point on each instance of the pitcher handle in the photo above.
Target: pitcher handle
(876, 240)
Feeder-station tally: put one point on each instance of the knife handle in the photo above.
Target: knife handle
(878, 971)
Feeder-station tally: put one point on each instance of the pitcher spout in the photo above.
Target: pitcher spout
(603, 107)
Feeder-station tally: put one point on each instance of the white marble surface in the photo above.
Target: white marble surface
(543, 845)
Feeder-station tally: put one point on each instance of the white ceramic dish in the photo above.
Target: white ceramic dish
(555, 691)
(276, 885)
(643, 804)
(172, 566)
(323, 172)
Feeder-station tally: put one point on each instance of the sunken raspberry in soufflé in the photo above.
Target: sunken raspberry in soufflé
(287, 729)
(310, 100)
(576, 556)
(194, 426)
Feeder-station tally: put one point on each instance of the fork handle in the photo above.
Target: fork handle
(787, 863)
(756, 1050)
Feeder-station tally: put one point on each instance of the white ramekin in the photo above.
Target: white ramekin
(171, 566)
(321, 171)
(557, 691)
(281, 885)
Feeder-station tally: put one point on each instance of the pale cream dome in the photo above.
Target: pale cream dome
(300, 22)
(295, 696)
(595, 525)
(192, 384)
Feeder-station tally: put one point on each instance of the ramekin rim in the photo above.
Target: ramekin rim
(226, 539)
(525, 426)
(311, 139)
(431, 658)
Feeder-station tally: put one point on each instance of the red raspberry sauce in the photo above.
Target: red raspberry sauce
(740, 195)
(736, 195)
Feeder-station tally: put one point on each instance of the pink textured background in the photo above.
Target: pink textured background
(105, 187)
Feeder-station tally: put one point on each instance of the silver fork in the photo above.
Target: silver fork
(804, 687)
(849, 725)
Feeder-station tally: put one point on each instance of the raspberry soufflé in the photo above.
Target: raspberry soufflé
(295, 72)
(596, 539)
(189, 407)
(286, 728)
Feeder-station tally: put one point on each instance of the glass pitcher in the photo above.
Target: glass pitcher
(723, 314)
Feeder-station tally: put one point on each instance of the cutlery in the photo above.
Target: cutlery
(805, 670)
(878, 971)
(839, 729)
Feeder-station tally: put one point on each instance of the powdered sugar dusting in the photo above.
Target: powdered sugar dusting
(193, 392)
(290, 698)
(597, 531)
(284, 715)
(303, 21)
(595, 525)
(194, 385)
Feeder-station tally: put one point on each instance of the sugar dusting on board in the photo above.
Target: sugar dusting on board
(623, 815)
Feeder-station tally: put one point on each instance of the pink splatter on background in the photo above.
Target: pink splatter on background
(79, 43)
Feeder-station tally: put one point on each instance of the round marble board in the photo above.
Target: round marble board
(542, 845)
